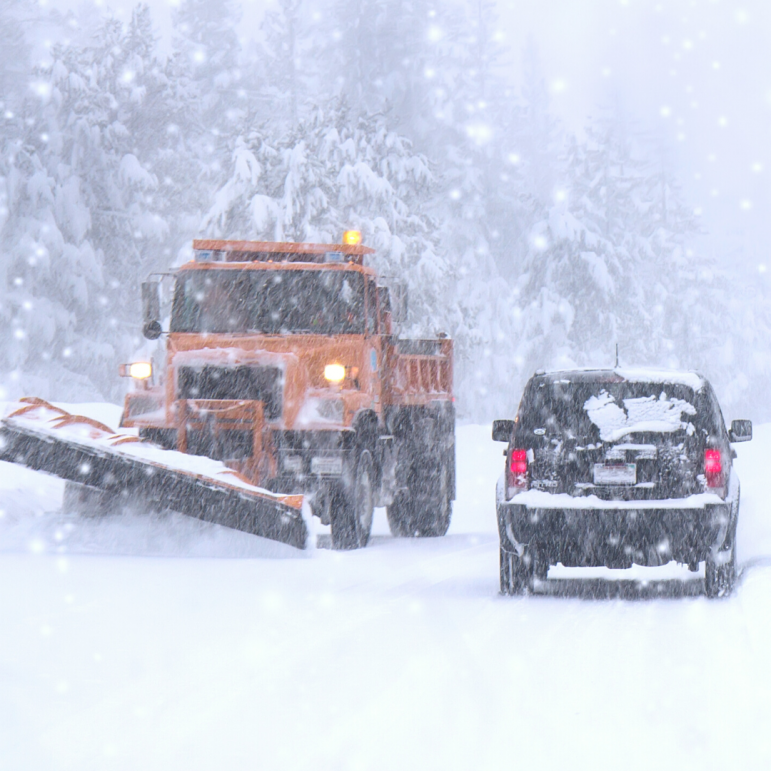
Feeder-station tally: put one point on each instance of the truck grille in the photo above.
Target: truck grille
(222, 445)
(264, 384)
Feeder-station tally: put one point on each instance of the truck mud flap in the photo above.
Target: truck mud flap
(77, 449)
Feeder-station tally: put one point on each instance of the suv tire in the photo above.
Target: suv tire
(517, 572)
(720, 575)
(720, 566)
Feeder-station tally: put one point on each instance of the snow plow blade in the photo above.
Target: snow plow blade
(129, 470)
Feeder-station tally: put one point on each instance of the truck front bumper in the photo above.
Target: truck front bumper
(639, 532)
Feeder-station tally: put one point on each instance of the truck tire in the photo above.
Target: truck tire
(352, 510)
(401, 521)
(424, 509)
(435, 505)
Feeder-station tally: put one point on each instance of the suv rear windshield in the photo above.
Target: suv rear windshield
(324, 302)
(609, 411)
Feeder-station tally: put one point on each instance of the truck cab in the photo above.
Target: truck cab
(281, 360)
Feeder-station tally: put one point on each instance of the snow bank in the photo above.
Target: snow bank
(400, 655)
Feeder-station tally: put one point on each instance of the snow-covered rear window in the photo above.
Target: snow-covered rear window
(640, 414)
(324, 302)
(610, 411)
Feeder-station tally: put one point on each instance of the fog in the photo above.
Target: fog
(693, 73)
(549, 179)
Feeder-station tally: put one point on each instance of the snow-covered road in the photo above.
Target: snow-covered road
(165, 643)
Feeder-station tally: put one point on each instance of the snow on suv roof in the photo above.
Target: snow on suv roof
(629, 374)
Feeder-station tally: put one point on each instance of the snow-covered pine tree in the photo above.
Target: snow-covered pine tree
(205, 65)
(213, 96)
(702, 326)
(740, 359)
(15, 68)
(287, 70)
(334, 173)
(81, 208)
(207, 48)
(434, 70)
(529, 164)
(611, 263)
(470, 120)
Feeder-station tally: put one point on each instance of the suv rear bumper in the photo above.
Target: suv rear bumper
(614, 537)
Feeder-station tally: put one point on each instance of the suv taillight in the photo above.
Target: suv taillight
(516, 472)
(713, 468)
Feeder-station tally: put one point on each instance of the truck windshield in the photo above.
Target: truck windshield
(324, 302)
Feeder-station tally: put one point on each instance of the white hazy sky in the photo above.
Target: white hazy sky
(694, 74)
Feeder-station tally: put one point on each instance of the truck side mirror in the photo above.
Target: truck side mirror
(741, 431)
(502, 430)
(152, 330)
(151, 310)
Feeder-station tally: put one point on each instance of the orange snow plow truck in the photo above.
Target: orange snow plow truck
(281, 361)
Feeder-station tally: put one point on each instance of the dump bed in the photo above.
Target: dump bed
(419, 371)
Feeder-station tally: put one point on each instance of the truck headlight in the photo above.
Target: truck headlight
(334, 373)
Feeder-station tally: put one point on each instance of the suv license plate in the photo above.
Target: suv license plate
(615, 474)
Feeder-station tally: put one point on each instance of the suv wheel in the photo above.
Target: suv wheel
(352, 512)
(517, 572)
(720, 574)
(720, 566)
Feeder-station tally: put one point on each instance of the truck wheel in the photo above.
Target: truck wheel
(352, 511)
(427, 509)
(435, 507)
(517, 573)
(400, 517)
